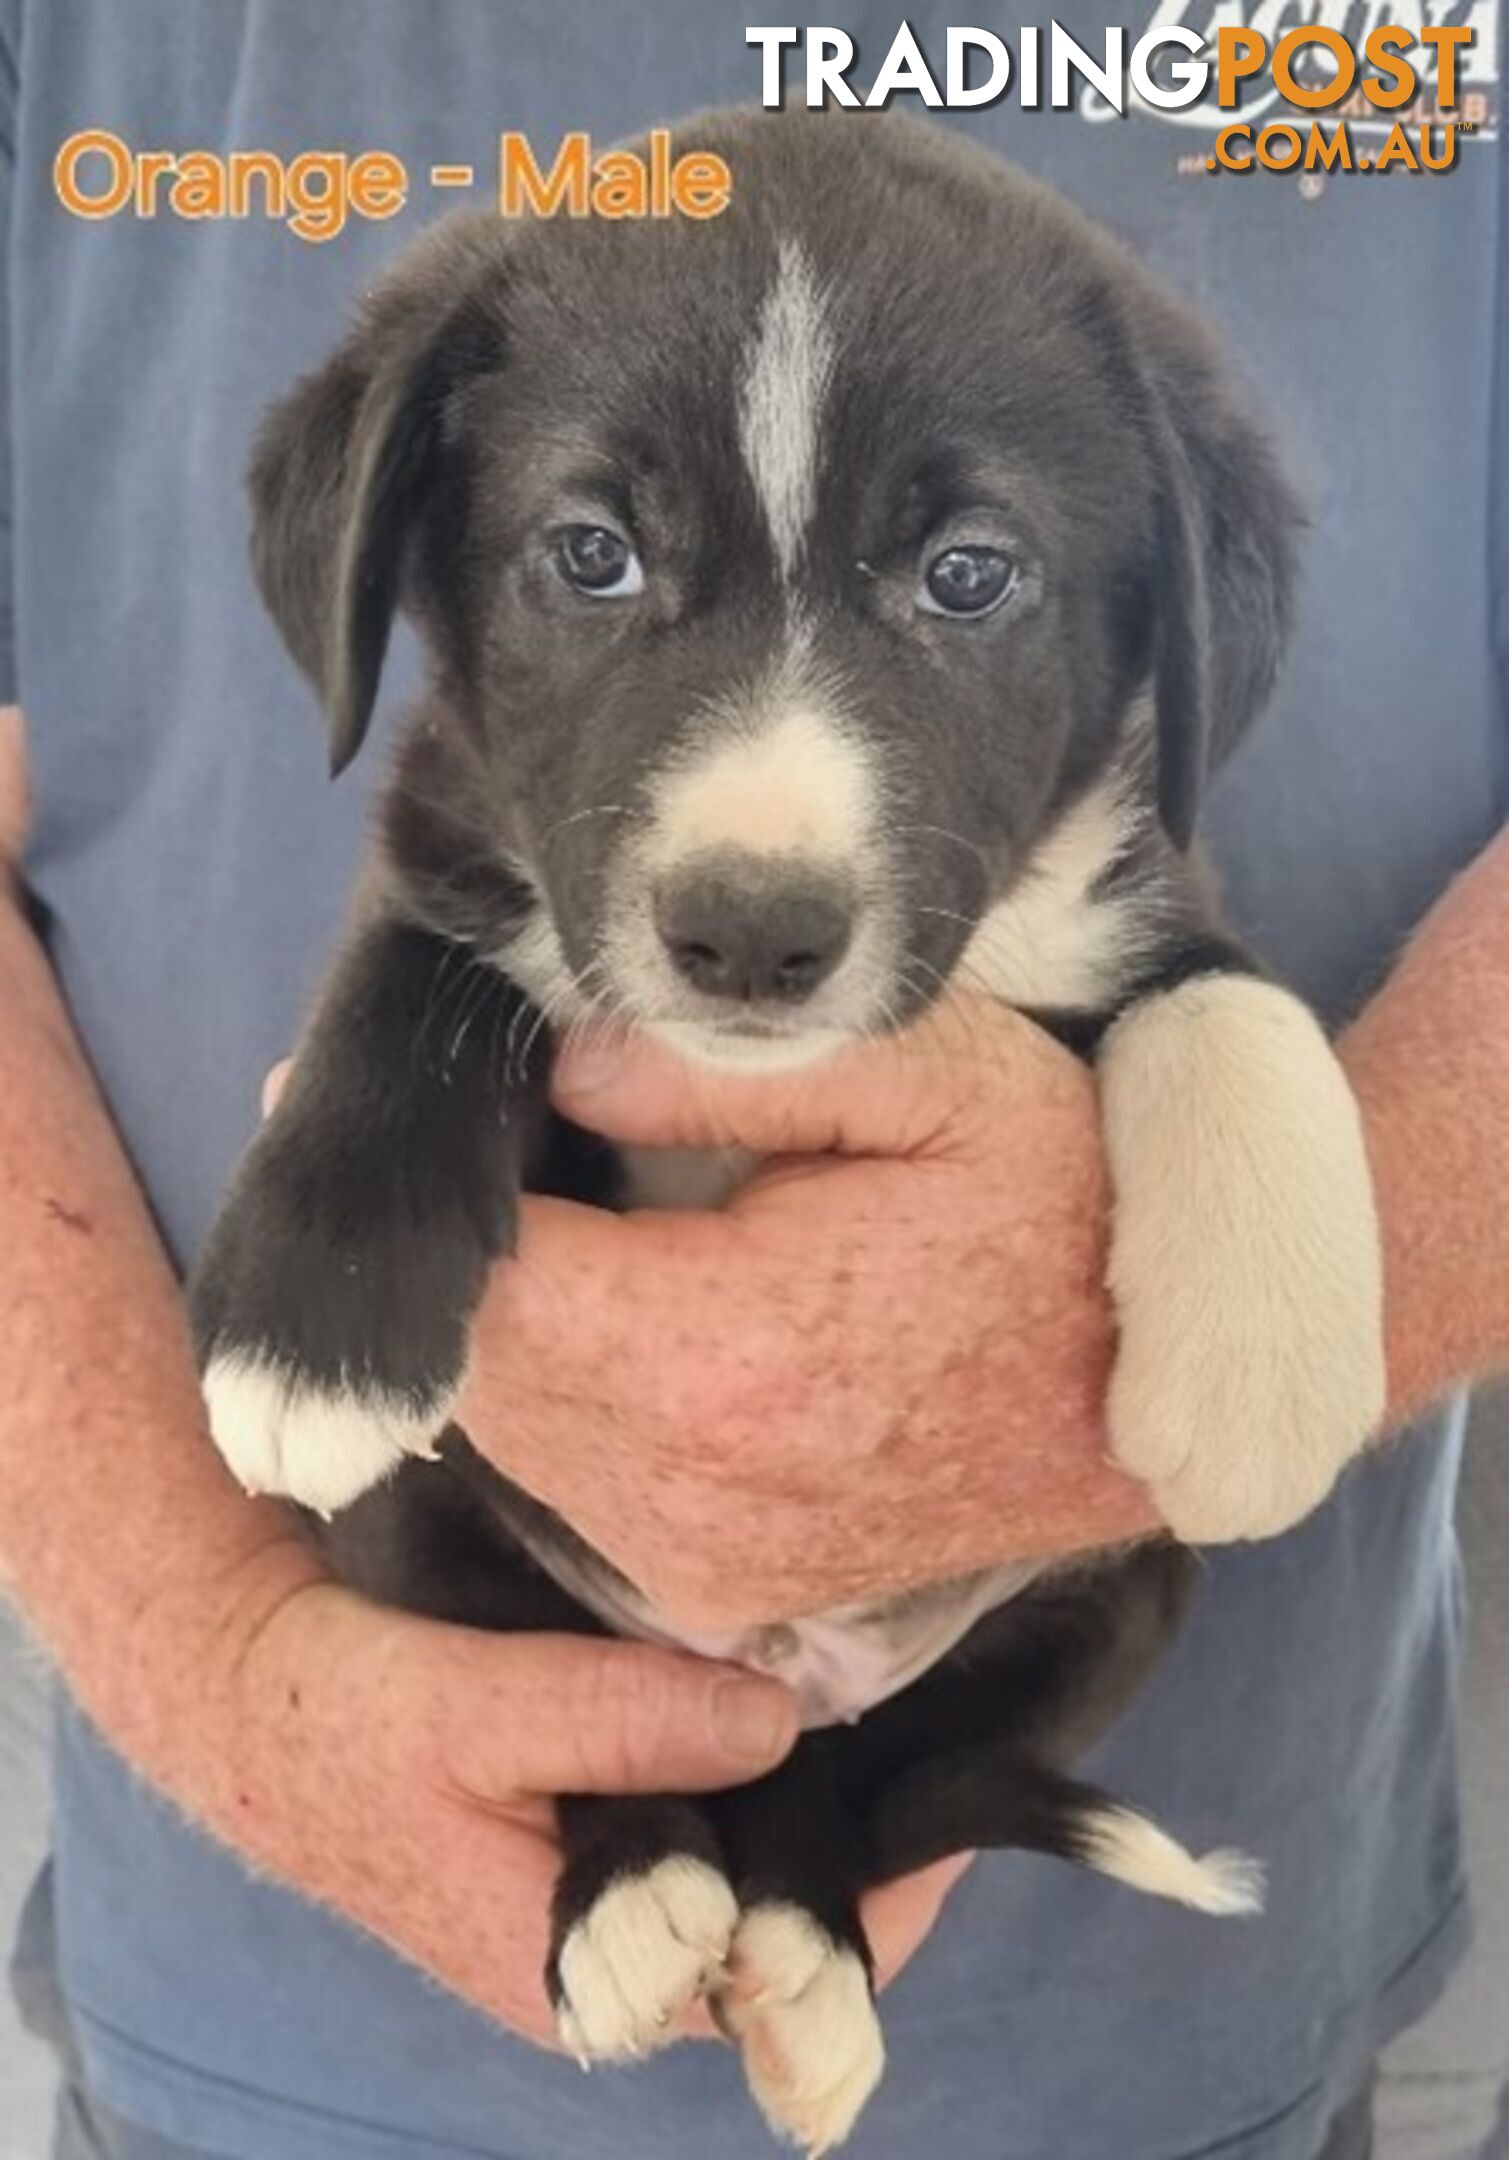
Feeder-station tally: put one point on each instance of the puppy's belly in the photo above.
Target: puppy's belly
(838, 1664)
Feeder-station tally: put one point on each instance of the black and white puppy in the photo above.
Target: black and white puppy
(826, 605)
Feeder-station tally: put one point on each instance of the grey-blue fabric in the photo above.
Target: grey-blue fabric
(191, 861)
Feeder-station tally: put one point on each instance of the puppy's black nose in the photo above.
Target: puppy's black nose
(741, 928)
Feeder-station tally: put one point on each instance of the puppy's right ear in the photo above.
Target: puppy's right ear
(343, 466)
(1227, 527)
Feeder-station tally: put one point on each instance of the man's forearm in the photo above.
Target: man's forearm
(1429, 1059)
(120, 1532)
(391, 1768)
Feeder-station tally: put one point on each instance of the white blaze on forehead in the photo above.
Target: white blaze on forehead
(796, 785)
(781, 398)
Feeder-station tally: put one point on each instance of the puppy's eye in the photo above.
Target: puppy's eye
(599, 562)
(968, 581)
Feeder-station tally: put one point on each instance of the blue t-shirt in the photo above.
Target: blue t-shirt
(192, 864)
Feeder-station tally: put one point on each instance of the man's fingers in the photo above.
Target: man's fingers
(900, 1915)
(575, 1292)
(551, 1714)
(897, 1096)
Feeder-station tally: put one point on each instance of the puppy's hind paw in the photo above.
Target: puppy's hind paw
(320, 1446)
(642, 1953)
(801, 2009)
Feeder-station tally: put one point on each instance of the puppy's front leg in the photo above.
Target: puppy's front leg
(1245, 1259)
(332, 1302)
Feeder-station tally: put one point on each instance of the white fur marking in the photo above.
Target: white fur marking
(1123, 1844)
(771, 773)
(640, 1956)
(783, 783)
(321, 1447)
(1245, 1260)
(535, 959)
(1050, 941)
(801, 2010)
(780, 404)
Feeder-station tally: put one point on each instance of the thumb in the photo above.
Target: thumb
(902, 1094)
(574, 1714)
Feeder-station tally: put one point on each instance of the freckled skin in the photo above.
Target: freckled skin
(71, 1218)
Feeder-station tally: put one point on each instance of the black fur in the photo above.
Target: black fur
(368, 1210)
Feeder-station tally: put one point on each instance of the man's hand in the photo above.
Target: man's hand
(888, 1364)
(400, 1771)
(403, 1772)
(884, 1363)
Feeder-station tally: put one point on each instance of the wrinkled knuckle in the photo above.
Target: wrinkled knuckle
(441, 1728)
(619, 1709)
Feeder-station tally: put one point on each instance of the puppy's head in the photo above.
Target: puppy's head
(791, 581)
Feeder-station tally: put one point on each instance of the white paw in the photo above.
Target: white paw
(641, 1955)
(800, 2008)
(1245, 1261)
(321, 1447)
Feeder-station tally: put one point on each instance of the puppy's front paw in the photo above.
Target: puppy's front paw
(801, 2009)
(1245, 1259)
(321, 1446)
(330, 1321)
(643, 1952)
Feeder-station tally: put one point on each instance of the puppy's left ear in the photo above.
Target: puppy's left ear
(1226, 541)
(344, 466)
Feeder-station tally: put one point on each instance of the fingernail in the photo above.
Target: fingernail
(753, 1721)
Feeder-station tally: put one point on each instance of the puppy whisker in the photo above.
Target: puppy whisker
(968, 922)
(553, 832)
(944, 832)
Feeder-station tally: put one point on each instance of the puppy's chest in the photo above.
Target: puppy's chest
(839, 1664)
